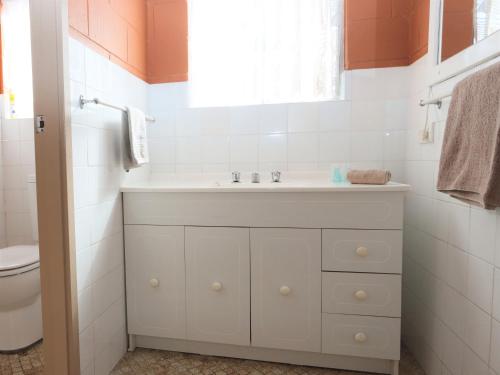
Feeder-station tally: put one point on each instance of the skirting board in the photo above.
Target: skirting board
(381, 366)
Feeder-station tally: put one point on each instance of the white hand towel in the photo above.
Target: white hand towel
(139, 154)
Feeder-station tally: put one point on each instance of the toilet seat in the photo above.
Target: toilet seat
(15, 260)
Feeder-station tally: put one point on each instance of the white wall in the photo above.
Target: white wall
(451, 307)
(18, 148)
(98, 174)
(3, 239)
(18, 162)
(367, 129)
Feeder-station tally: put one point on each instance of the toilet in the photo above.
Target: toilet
(20, 299)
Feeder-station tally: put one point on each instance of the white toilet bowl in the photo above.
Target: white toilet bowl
(20, 305)
(20, 300)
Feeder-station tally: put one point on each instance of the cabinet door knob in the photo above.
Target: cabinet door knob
(154, 283)
(360, 295)
(360, 337)
(216, 286)
(362, 251)
(285, 291)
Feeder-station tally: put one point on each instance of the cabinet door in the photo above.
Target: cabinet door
(286, 288)
(156, 290)
(218, 285)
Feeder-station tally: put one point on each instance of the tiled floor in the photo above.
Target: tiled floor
(26, 362)
(154, 362)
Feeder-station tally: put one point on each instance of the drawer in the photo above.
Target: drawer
(362, 294)
(361, 336)
(362, 250)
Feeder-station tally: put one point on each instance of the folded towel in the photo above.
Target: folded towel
(469, 169)
(369, 177)
(137, 138)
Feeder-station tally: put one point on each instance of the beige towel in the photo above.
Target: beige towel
(369, 177)
(469, 169)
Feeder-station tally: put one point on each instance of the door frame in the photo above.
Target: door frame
(51, 98)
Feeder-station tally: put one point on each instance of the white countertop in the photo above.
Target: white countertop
(264, 187)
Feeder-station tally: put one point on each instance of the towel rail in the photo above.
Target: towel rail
(435, 101)
(438, 100)
(84, 101)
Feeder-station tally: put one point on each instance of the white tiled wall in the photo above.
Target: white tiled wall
(451, 312)
(98, 174)
(367, 129)
(18, 162)
(3, 237)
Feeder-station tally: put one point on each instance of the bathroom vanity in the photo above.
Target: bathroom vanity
(301, 273)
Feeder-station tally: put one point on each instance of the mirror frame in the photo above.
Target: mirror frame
(478, 53)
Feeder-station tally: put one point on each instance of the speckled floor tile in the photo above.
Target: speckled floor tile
(156, 362)
(25, 362)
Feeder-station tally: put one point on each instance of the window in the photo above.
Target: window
(245, 52)
(487, 18)
(16, 45)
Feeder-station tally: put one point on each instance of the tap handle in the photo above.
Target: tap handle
(275, 176)
(236, 176)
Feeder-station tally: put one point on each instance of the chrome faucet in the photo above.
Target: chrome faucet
(276, 176)
(236, 176)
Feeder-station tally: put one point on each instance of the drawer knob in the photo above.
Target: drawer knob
(360, 295)
(155, 283)
(360, 337)
(285, 291)
(216, 286)
(362, 251)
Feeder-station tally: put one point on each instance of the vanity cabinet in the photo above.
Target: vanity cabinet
(304, 277)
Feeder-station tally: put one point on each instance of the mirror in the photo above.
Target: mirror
(465, 22)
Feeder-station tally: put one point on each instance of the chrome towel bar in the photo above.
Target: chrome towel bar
(84, 101)
(435, 101)
(439, 100)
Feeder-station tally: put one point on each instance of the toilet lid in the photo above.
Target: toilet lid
(18, 256)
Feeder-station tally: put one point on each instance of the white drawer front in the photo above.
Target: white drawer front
(362, 294)
(362, 250)
(361, 336)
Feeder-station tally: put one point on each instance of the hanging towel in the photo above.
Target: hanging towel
(369, 177)
(469, 169)
(137, 138)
